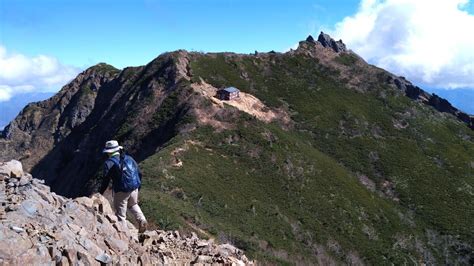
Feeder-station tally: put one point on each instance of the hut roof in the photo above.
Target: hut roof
(231, 89)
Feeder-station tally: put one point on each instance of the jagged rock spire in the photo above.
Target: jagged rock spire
(327, 41)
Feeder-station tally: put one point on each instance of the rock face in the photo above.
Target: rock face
(64, 135)
(40, 227)
(41, 125)
(440, 104)
(411, 91)
(310, 39)
(327, 41)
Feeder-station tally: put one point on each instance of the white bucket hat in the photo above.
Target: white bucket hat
(112, 146)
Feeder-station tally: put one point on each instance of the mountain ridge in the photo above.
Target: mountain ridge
(461, 98)
(412, 91)
(349, 158)
(11, 108)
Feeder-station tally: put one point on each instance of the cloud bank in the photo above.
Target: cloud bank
(21, 74)
(429, 41)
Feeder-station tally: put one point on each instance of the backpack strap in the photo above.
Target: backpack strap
(118, 162)
(114, 160)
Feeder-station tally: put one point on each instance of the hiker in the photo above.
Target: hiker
(126, 181)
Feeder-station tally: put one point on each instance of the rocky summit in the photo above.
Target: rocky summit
(39, 227)
(322, 159)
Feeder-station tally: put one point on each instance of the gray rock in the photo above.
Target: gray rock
(12, 168)
(55, 254)
(51, 229)
(85, 259)
(11, 208)
(104, 258)
(24, 181)
(38, 181)
(30, 207)
(226, 250)
(327, 41)
(202, 243)
(17, 229)
(112, 218)
(71, 254)
(117, 245)
(203, 259)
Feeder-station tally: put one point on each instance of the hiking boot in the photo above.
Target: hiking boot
(142, 227)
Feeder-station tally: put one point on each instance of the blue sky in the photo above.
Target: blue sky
(44, 44)
(124, 33)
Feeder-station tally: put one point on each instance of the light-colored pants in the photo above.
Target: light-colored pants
(124, 200)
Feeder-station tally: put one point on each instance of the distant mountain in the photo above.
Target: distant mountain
(461, 98)
(324, 159)
(10, 109)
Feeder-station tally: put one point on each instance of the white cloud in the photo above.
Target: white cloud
(21, 74)
(293, 47)
(428, 41)
(5, 93)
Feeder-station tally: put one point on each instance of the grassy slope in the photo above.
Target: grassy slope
(268, 190)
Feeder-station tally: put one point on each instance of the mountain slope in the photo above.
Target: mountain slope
(40, 227)
(325, 158)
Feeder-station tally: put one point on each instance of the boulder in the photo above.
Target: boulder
(104, 258)
(12, 168)
(205, 259)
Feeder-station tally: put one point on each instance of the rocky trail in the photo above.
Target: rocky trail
(39, 227)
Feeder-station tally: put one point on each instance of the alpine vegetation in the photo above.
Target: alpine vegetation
(313, 157)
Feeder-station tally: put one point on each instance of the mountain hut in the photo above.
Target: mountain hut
(228, 94)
